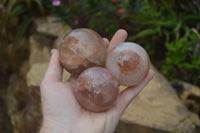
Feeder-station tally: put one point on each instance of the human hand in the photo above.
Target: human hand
(61, 111)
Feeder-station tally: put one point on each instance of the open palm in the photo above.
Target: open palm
(61, 111)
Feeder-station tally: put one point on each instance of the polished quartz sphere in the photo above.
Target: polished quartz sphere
(96, 89)
(80, 49)
(129, 63)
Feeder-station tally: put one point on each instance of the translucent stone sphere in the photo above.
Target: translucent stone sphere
(96, 89)
(80, 49)
(129, 63)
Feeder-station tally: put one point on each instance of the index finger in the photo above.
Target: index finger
(119, 37)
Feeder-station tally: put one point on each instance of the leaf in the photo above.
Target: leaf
(146, 32)
(178, 26)
(18, 9)
(193, 36)
(39, 3)
(91, 24)
(22, 28)
(169, 9)
(170, 46)
(10, 4)
(191, 17)
(196, 61)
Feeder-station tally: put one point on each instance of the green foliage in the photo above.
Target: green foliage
(164, 29)
(102, 16)
(183, 58)
(16, 17)
(22, 28)
(167, 29)
(163, 18)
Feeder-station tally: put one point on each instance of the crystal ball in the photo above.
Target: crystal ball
(96, 89)
(129, 63)
(80, 49)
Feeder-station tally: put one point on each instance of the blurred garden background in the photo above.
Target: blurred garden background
(168, 30)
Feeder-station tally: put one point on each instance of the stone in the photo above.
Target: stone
(40, 47)
(127, 127)
(80, 49)
(156, 109)
(195, 118)
(58, 41)
(24, 103)
(190, 95)
(29, 120)
(51, 26)
(36, 74)
(23, 94)
(129, 63)
(13, 55)
(24, 68)
(96, 89)
(66, 76)
(23, 113)
(17, 95)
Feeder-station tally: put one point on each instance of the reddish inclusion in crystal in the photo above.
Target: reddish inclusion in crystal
(96, 89)
(128, 61)
(80, 49)
(64, 49)
(72, 41)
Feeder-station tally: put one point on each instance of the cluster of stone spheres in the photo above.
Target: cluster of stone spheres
(99, 73)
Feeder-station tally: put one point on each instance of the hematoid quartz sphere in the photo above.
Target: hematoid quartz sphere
(96, 89)
(129, 63)
(80, 49)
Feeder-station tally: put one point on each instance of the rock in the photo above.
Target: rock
(191, 98)
(190, 95)
(127, 127)
(66, 75)
(23, 105)
(28, 120)
(34, 78)
(58, 41)
(157, 108)
(19, 107)
(40, 47)
(23, 70)
(195, 118)
(36, 74)
(34, 93)
(17, 95)
(13, 55)
(51, 26)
